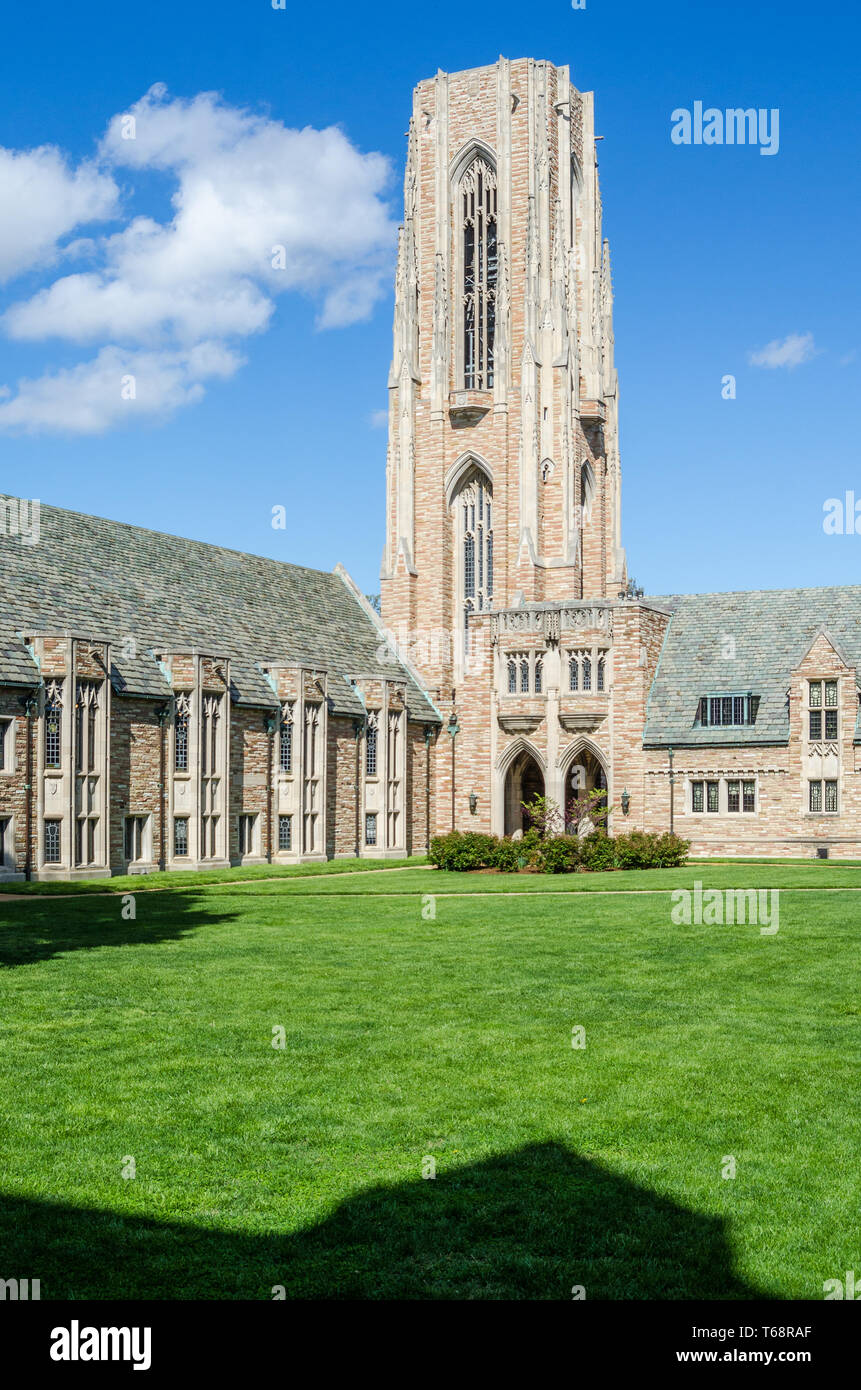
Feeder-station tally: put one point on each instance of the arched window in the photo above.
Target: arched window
(587, 489)
(53, 728)
(180, 734)
(286, 738)
(474, 505)
(479, 265)
(371, 745)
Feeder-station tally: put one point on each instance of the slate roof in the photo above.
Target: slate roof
(17, 666)
(773, 630)
(108, 580)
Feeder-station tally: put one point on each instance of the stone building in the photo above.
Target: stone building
(167, 704)
(731, 717)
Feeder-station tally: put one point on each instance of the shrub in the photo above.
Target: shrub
(597, 852)
(507, 856)
(560, 855)
(640, 850)
(636, 851)
(672, 851)
(460, 851)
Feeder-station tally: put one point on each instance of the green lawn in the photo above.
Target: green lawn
(409, 1038)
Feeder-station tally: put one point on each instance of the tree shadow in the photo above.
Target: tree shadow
(531, 1224)
(41, 928)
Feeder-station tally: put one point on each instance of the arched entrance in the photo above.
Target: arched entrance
(523, 781)
(586, 774)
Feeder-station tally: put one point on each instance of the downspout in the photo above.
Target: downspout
(162, 715)
(270, 724)
(29, 702)
(428, 737)
(358, 729)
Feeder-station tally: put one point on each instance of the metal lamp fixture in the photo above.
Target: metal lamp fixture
(473, 803)
(626, 802)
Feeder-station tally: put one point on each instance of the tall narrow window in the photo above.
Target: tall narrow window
(86, 706)
(371, 746)
(53, 724)
(52, 842)
(286, 743)
(475, 507)
(180, 836)
(209, 736)
(180, 734)
(478, 231)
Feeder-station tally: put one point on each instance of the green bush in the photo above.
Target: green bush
(636, 851)
(640, 850)
(672, 851)
(508, 856)
(560, 855)
(597, 852)
(461, 851)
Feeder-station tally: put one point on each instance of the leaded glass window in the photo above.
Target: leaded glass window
(371, 746)
(480, 263)
(52, 842)
(180, 735)
(180, 836)
(53, 724)
(475, 510)
(285, 748)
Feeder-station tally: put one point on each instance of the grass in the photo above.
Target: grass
(411, 1038)
(192, 881)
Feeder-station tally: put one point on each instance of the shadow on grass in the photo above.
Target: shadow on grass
(526, 1225)
(41, 929)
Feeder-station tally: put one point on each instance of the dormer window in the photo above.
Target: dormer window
(727, 711)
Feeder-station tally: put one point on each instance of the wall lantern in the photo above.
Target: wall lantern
(453, 727)
(473, 803)
(626, 802)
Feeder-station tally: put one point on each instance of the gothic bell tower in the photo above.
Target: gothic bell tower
(502, 475)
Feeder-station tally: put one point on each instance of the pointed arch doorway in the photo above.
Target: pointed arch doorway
(523, 781)
(586, 774)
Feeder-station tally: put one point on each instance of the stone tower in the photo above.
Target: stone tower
(503, 481)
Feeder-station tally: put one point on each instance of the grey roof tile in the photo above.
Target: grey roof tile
(17, 666)
(772, 630)
(111, 580)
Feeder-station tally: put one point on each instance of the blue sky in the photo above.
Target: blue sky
(718, 251)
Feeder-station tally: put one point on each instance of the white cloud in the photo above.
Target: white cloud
(378, 419)
(115, 388)
(42, 199)
(258, 210)
(785, 352)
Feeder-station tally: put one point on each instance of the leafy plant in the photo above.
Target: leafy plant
(544, 815)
